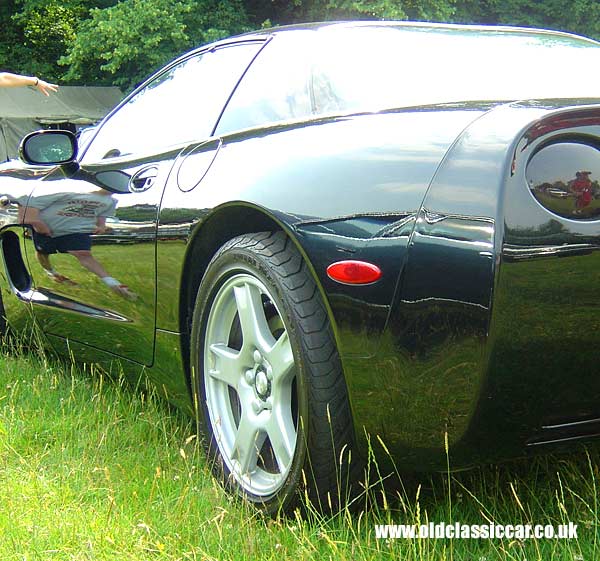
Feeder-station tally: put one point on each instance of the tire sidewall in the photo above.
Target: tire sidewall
(232, 260)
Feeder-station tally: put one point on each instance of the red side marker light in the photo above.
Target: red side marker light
(354, 272)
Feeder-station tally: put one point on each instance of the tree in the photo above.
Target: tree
(282, 12)
(124, 43)
(10, 39)
(48, 30)
(36, 33)
(581, 17)
(120, 42)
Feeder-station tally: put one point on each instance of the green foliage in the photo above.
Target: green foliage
(282, 12)
(13, 52)
(429, 10)
(36, 33)
(91, 469)
(362, 9)
(122, 44)
(48, 30)
(581, 17)
(119, 42)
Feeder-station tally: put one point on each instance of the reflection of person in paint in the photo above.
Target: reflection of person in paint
(581, 186)
(64, 223)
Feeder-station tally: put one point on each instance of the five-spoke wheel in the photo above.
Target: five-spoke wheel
(272, 403)
(250, 384)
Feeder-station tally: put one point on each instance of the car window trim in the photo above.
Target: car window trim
(187, 56)
(265, 42)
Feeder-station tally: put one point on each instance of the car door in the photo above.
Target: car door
(91, 252)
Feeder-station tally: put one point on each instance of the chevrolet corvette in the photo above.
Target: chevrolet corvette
(330, 240)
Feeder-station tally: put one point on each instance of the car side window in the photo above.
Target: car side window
(275, 88)
(180, 105)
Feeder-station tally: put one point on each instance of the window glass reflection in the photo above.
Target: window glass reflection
(276, 87)
(370, 68)
(181, 105)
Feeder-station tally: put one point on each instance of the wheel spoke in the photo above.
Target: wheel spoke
(282, 435)
(281, 359)
(255, 329)
(248, 442)
(249, 381)
(227, 364)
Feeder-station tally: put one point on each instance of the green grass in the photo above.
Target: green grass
(92, 469)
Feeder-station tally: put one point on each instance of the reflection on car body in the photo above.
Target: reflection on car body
(328, 250)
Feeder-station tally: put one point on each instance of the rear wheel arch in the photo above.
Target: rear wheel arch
(224, 224)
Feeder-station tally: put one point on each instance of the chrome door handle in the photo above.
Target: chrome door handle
(143, 179)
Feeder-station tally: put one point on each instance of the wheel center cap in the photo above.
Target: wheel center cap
(262, 384)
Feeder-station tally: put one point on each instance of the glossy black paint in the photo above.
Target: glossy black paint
(555, 323)
(359, 174)
(483, 328)
(489, 345)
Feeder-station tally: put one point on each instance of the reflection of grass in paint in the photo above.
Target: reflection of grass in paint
(132, 265)
(549, 297)
(546, 333)
(171, 255)
(415, 401)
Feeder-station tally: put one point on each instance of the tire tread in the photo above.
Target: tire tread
(330, 429)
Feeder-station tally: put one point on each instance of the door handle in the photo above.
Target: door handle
(143, 179)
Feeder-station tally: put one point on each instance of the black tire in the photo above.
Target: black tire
(256, 285)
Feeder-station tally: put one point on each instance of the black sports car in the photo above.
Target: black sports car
(324, 238)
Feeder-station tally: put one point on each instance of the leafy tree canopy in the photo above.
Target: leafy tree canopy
(577, 16)
(122, 44)
(36, 33)
(282, 12)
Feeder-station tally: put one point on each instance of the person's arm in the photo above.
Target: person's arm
(32, 216)
(100, 225)
(8, 80)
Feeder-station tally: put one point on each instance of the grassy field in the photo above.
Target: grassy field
(92, 469)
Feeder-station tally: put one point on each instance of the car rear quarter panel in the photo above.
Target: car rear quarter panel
(543, 378)
(477, 351)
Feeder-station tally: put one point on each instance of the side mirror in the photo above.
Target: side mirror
(52, 147)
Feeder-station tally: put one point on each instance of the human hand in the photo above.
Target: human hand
(45, 87)
(41, 228)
